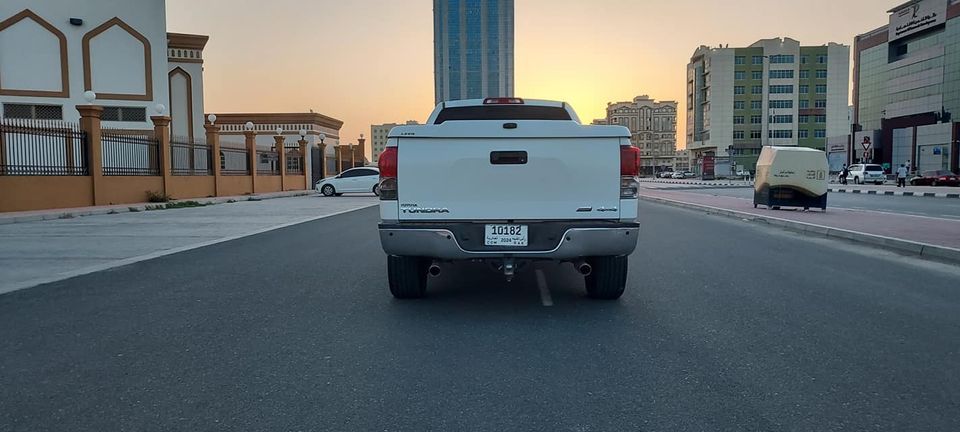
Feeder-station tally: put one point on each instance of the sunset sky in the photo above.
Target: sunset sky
(371, 61)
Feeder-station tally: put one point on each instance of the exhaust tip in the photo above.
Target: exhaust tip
(434, 270)
(585, 269)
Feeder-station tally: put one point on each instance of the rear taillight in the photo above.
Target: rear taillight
(629, 161)
(629, 170)
(388, 174)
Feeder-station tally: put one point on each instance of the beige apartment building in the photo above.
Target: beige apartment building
(653, 129)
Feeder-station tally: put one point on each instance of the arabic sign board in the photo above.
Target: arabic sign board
(917, 17)
(709, 166)
(837, 148)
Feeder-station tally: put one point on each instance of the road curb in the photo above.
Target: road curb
(895, 193)
(120, 208)
(921, 249)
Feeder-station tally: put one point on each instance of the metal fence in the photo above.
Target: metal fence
(234, 159)
(42, 148)
(129, 153)
(268, 162)
(295, 165)
(190, 156)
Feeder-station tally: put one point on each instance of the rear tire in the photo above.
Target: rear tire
(934, 184)
(328, 190)
(608, 278)
(376, 190)
(407, 276)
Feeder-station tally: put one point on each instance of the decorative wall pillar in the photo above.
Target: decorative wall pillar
(281, 159)
(161, 132)
(213, 140)
(303, 163)
(251, 138)
(90, 124)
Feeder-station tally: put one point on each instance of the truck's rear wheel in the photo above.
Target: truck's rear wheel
(608, 277)
(407, 276)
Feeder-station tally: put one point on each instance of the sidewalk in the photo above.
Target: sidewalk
(68, 213)
(45, 251)
(913, 234)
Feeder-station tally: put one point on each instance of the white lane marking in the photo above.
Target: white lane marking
(127, 261)
(544, 291)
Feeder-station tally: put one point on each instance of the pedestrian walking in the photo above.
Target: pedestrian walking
(843, 174)
(902, 176)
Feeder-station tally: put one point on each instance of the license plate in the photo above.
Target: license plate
(505, 235)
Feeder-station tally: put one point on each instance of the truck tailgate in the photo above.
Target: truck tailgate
(492, 179)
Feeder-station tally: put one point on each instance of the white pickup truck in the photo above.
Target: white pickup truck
(508, 181)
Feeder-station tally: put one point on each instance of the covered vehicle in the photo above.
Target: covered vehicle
(936, 178)
(791, 177)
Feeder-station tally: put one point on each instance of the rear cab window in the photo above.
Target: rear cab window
(502, 112)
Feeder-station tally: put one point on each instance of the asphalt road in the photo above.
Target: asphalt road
(946, 208)
(726, 325)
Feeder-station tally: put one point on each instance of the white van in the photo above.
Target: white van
(791, 177)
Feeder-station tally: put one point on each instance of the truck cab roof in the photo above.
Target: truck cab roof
(506, 118)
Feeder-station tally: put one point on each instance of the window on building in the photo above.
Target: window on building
(757, 75)
(737, 119)
(803, 119)
(804, 74)
(756, 134)
(820, 103)
(804, 59)
(820, 133)
(803, 133)
(821, 89)
(781, 133)
(758, 60)
(781, 89)
(124, 114)
(740, 60)
(781, 74)
(820, 118)
(804, 89)
(756, 119)
(804, 104)
(738, 90)
(738, 135)
(782, 59)
(756, 90)
(781, 119)
(781, 104)
(32, 112)
(740, 75)
(757, 104)
(822, 59)
(739, 105)
(822, 73)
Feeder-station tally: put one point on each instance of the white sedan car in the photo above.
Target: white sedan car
(353, 180)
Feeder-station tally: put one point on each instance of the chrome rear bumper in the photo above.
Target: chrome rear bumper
(442, 243)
